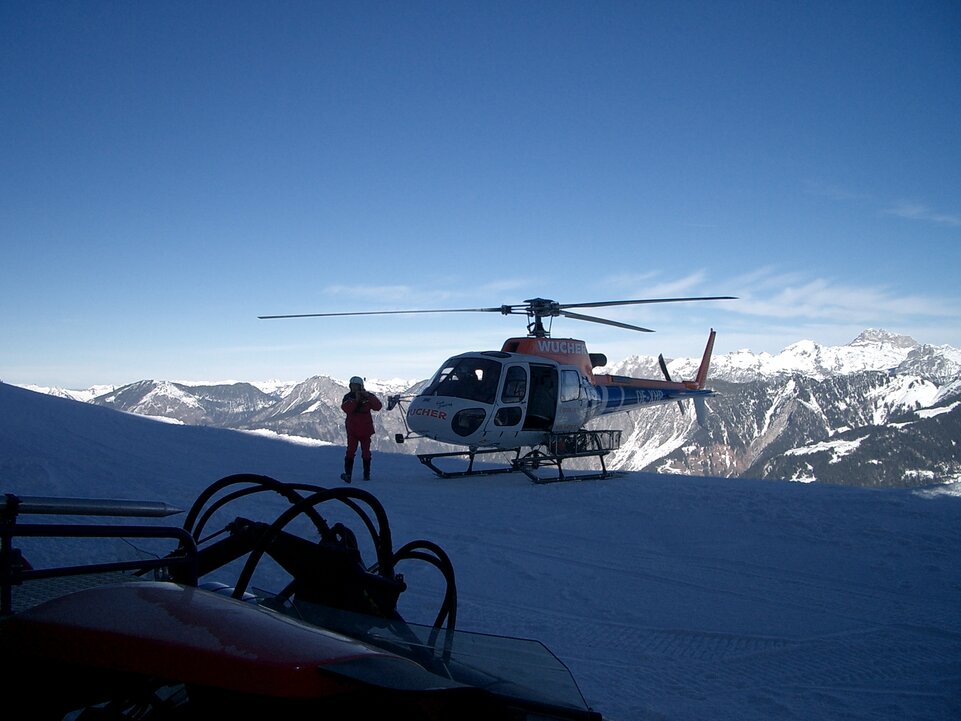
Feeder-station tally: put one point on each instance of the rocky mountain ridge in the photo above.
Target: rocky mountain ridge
(873, 349)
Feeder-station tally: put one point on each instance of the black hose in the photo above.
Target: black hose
(383, 547)
(260, 483)
(442, 562)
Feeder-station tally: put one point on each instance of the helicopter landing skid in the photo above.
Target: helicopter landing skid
(558, 448)
(428, 460)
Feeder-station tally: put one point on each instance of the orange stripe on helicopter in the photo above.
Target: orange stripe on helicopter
(568, 351)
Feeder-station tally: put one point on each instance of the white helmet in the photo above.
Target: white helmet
(357, 380)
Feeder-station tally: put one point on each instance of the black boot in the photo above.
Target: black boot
(366, 469)
(348, 469)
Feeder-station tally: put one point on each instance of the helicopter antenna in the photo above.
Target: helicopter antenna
(536, 310)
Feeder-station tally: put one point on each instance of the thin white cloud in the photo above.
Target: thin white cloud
(907, 209)
(789, 295)
(690, 283)
(918, 211)
(628, 280)
(646, 285)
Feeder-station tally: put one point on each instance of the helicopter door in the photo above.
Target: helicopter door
(509, 412)
(543, 399)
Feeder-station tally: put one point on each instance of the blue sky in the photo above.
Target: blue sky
(171, 171)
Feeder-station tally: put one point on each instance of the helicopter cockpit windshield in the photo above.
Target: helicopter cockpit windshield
(473, 379)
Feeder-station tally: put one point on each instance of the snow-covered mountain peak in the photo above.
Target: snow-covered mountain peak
(940, 364)
(873, 337)
(84, 395)
(873, 349)
(802, 348)
(384, 386)
(274, 387)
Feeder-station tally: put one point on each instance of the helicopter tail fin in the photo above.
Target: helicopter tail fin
(702, 371)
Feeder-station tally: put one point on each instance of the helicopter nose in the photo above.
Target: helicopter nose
(444, 422)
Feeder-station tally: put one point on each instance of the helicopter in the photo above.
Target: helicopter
(536, 392)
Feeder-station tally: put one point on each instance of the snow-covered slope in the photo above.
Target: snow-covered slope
(669, 597)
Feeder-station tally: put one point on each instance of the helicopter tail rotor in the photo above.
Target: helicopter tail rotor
(667, 376)
(663, 364)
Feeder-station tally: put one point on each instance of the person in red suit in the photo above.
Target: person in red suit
(357, 405)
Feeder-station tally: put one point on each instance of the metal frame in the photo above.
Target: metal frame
(14, 571)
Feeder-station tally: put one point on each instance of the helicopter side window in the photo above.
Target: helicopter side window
(515, 385)
(570, 385)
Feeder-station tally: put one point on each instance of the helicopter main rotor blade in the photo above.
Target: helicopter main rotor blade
(603, 303)
(500, 309)
(605, 321)
(537, 305)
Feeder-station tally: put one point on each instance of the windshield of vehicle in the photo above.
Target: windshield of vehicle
(522, 670)
(474, 379)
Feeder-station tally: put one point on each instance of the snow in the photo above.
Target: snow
(669, 597)
(931, 412)
(871, 350)
(166, 390)
(160, 419)
(384, 385)
(838, 448)
(272, 386)
(85, 395)
(904, 393)
(947, 391)
(302, 440)
(275, 387)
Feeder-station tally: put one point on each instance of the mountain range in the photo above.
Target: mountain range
(881, 411)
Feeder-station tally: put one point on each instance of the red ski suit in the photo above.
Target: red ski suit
(359, 422)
